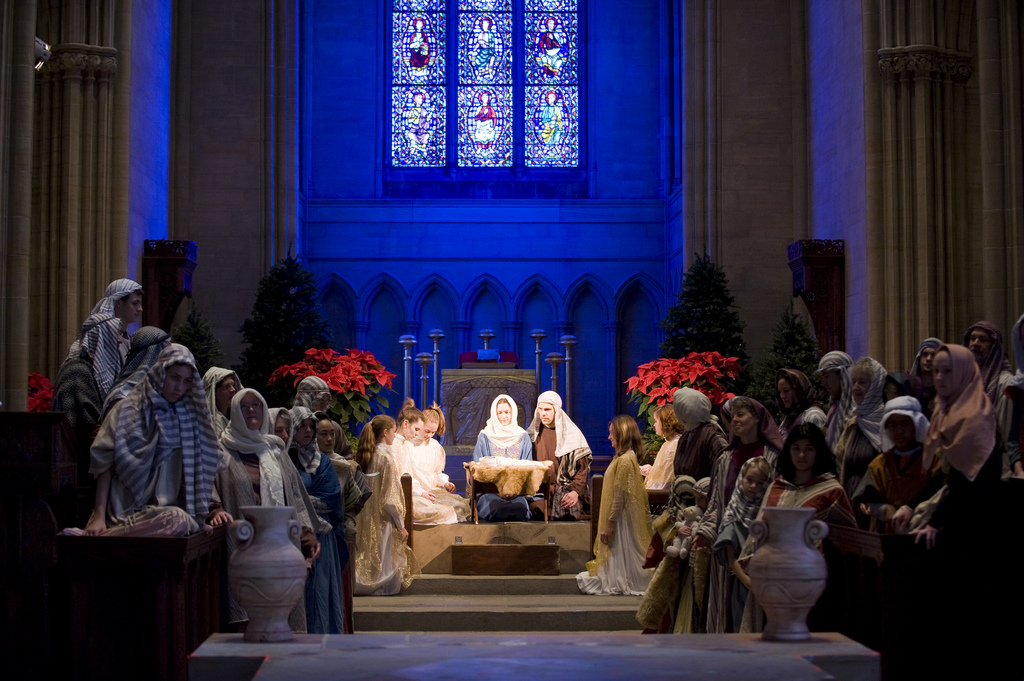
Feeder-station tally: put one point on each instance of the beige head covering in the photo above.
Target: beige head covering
(211, 379)
(568, 435)
(692, 407)
(963, 425)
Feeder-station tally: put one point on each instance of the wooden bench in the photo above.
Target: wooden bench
(138, 606)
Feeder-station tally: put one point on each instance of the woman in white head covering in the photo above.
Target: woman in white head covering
(556, 438)
(861, 440)
(896, 475)
(221, 385)
(503, 437)
(259, 473)
(155, 449)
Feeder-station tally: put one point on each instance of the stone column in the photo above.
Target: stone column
(17, 82)
(919, 242)
(78, 219)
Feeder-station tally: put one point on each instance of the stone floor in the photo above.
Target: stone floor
(549, 657)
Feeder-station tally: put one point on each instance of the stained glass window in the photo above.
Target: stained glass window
(418, 109)
(485, 83)
(512, 83)
(551, 115)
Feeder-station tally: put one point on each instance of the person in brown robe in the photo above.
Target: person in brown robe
(556, 438)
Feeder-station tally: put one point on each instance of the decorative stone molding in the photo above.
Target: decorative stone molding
(76, 59)
(819, 279)
(924, 60)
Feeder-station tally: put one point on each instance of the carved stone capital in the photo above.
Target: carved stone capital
(76, 59)
(923, 60)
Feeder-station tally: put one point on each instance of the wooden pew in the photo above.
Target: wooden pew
(138, 606)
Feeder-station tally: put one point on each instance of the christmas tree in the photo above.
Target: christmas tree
(284, 323)
(791, 347)
(196, 335)
(705, 318)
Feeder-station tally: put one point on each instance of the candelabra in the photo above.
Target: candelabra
(407, 342)
(436, 335)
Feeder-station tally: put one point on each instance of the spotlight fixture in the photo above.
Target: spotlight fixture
(42, 51)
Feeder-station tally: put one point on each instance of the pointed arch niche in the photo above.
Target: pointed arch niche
(638, 335)
(435, 307)
(337, 303)
(384, 320)
(587, 307)
(536, 307)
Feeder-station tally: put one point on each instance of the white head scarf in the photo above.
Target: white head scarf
(869, 411)
(692, 407)
(568, 436)
(908, 406)
(308, 455)
(310, 390)
(115, 291)
(211, 379)
(238, 437)
(501, 436)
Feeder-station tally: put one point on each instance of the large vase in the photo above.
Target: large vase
(267, 572)
(787, 573)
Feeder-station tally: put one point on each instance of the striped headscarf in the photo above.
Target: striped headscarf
(99, 343)
(306, 454)
(840, 362)
(310, 390)
(150, 429)
(926, 344)
(146, 345)
(115, 291)
(996, 363)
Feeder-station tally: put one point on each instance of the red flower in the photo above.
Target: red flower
(40, 392)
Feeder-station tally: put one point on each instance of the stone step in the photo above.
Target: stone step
(449, 585)
(496, 613)
(433, 544)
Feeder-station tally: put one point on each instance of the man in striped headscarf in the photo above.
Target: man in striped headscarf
(95, 358)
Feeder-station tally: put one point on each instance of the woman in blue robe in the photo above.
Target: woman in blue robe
(325, 601)
(503, 437)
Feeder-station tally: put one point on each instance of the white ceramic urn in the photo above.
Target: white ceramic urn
(267, 572)
(787, 573)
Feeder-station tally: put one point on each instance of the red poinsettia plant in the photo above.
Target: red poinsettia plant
(40, 392)
(655, 382)
(356, 380)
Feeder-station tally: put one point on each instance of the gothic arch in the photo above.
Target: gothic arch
(646, 285)
(369, 291)
(484, 282)
(597, 287)
(338, 305)
(434, 282)
(546, 288)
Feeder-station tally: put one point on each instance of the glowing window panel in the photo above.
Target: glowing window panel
(485, 48)
(551, 54)
(417, 126)
(418, 81)
(485, 126)
(552, 126)
(550, 5)
(485, 5)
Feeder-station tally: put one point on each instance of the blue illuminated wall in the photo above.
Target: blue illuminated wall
(471, 252)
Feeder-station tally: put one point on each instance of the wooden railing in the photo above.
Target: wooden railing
(136, 607)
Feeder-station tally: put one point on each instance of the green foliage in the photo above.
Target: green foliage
(705, 318)
(284, 323)
(791, 347)
(196, 335)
